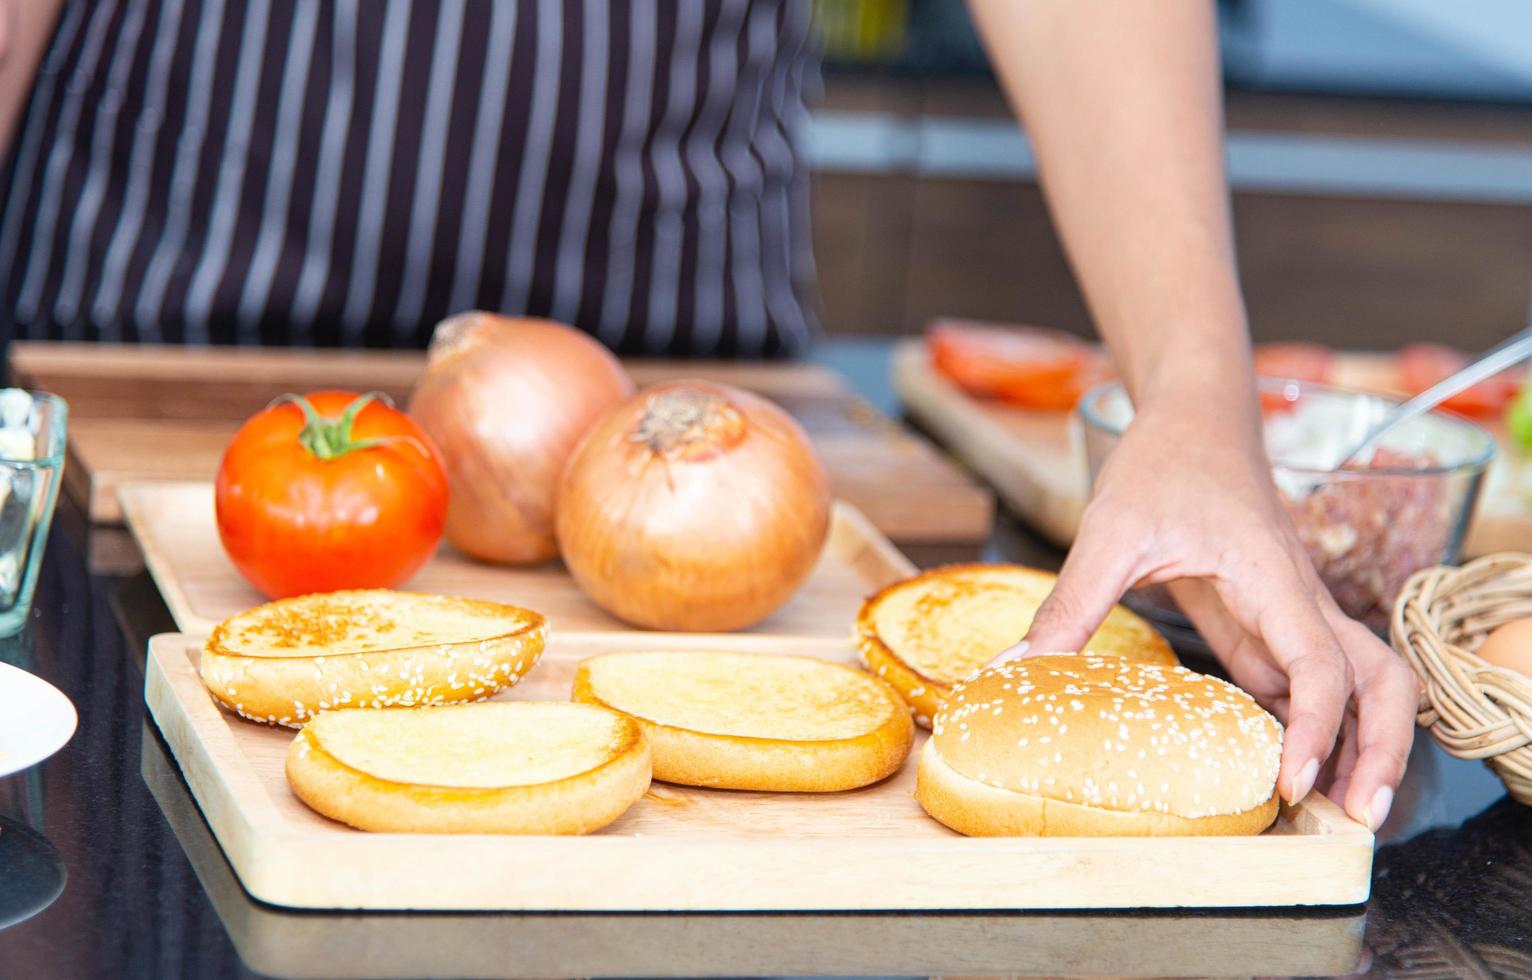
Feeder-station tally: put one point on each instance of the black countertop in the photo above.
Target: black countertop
(107, 868)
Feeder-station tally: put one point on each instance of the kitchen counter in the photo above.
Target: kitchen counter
(146, 891)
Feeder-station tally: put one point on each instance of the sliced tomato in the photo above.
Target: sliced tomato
(1062, 394)
(1031, 367)
(1423, 365)
(1297, 360)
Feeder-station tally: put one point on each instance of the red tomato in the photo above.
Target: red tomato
(1030, 367)
(1423, 365)
(349, 495)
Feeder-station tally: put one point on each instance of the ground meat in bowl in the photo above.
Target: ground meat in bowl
(1367, 534)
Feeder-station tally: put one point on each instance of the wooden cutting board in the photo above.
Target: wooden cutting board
(175, 529)
(687, 849)
(279, 942)
(142, 413)
(1036, 460)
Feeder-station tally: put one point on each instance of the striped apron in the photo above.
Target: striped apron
(297, 172)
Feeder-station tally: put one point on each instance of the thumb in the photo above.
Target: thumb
(1097, 571)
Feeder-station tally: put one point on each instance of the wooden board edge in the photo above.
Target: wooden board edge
(103, 507)
(155, 560)
(226, 812)
(38, 360)
(277, 942)
(868, 543)
(1317, 813)
(687, 877)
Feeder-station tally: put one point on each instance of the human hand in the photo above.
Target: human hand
(1187, 499)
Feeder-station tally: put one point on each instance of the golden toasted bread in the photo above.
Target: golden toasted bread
(507, 767)
(749, 721)
(284, 661)
(928, 632)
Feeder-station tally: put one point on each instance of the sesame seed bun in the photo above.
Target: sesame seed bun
(282, 662)
(507, 767)
(926, 633)
(1083, 745)
(750, 721)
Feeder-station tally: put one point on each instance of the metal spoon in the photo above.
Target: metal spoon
(1508, 353)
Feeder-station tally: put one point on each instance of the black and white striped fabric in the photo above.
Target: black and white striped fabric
(348, 172)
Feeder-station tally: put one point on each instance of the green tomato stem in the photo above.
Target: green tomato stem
(331, 438)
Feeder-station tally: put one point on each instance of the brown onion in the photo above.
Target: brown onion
(506, 400)
(693, 506)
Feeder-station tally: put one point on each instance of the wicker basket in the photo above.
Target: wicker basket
(1476, 711)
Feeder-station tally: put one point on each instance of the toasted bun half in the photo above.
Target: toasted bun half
(506, 767)
(748, 721)
(282, 662)
(1084, 745)
(926, 633)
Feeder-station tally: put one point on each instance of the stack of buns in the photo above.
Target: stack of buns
(926, 633)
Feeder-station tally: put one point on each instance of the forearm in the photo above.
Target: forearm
(1122, 103)
(25, 28)
(1121, 99)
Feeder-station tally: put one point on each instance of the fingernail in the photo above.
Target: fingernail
(1304, 781)
(1377, 810)
(1012, 653)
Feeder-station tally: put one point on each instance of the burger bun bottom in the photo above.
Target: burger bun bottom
(980, 810)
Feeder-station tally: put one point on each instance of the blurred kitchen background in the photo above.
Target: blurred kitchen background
(1380, 153)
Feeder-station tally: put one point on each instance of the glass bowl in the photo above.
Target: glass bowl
(1366, 527)
(33, 434)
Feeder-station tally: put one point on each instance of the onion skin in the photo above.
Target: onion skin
(506, 400)
(713, 532)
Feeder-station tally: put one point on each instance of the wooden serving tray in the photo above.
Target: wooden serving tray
(1036, 460)
(281, 942)
(148, 413)
(687, 849)
(175, 529)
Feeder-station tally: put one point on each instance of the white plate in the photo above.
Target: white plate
(36, 719)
